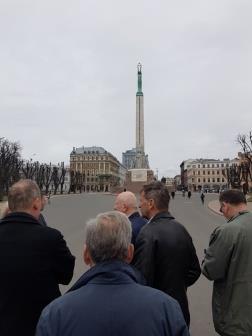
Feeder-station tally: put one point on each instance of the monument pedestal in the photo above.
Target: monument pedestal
(136, 178)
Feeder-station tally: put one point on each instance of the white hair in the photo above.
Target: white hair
(108, 236)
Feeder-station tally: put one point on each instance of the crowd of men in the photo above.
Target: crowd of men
(141, 265)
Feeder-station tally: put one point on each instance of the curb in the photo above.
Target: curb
(214, 207)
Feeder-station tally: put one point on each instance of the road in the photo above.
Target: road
(70, 213)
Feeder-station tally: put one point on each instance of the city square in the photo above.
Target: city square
(125, 168)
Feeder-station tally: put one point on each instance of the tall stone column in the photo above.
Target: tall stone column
(139, 113)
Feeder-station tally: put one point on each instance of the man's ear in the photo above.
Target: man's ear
(130, 254)
(86, 256)
(37, 204)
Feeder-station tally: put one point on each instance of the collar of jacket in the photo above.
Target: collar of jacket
(110, 272)
(239, 214)
(164, 214)
(19, 217)
(134, 214)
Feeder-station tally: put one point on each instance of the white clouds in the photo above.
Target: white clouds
(68, 76)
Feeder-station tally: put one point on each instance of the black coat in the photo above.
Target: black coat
(166, 256)
(34, 259)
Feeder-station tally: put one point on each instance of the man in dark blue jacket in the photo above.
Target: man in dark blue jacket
(126, 202)
(108, 299)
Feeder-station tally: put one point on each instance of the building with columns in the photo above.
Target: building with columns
(99, 169)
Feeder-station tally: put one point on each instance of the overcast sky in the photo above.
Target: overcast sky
(68, 77)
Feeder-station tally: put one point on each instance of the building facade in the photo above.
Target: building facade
(98, 169)
(205, 174)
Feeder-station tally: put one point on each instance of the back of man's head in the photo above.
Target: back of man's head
(108, 237)
(233, 197)
(159, 193)
(22, 194)
(126, 202)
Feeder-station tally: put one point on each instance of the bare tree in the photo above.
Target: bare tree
(246, 166)
(9, 164)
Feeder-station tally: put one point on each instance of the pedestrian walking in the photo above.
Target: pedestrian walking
(173, 194)
(109, 299)
(34, 260)
(189, 194)
(227, 262)
(164, 252)
(202, 197)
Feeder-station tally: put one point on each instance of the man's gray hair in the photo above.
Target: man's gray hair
(108, 236)
(22, 194)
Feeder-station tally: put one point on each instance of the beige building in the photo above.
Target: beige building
(99, 169)
(205, 174)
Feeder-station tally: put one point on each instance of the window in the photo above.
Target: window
(208, 179)
(198, 166)
(217, 165)
(203, 172)
(204, 180)
(198, 172)
(223, 179)
(208, 166)
(198, 179)
(222, 165)
(203, 166)
(218, 173)
(218, 179)
(212, 165)
(208, 172)
(213, 172)
(213, 180)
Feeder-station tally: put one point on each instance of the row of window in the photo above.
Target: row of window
(208, 165)
(209, 180)
(203, 172)
(89, 158)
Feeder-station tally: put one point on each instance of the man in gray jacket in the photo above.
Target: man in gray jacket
(228, 261)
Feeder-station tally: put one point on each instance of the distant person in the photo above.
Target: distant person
(126, 203)
(189, 194)
(164, 251)
(202, 197)
(108, 299)
(173, 194)
(34, 260)
(227, 262)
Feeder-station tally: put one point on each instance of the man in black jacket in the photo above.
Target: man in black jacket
(34, 259)
(165, 253)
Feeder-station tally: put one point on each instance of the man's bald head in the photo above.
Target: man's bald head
(126, 202)
(24, 196)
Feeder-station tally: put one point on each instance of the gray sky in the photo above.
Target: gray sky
(68, 77)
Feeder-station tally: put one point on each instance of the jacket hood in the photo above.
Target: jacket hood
(113, 271)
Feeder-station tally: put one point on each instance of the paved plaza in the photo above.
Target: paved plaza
(69, 214)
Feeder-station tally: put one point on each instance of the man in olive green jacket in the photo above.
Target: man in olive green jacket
(228, 261)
